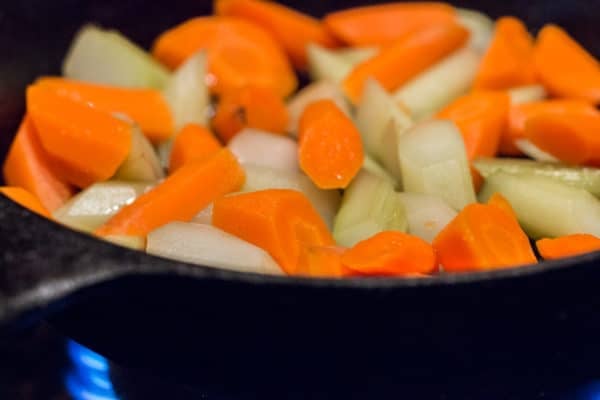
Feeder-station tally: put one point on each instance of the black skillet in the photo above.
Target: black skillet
(196, 324)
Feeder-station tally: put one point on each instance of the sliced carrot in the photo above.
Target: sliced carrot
(573, 139)
(518, 115)
(179, 197)
(564, 67)
(85, 144)
(147, 107)
(322, 262)
(508, 61)
(25, 198)
(382, 24)
(28, 166)
(280, 221)
(330, 148)
(405, 58)
(481, 117)
(391, 253)
(240, 53)
(193, 142)
(567, 246)
(250, 107)
(292, 29)
(482, 237)
(500, 201)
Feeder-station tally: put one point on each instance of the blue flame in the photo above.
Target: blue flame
(88, 378)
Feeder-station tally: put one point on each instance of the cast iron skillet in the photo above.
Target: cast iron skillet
(199, 324)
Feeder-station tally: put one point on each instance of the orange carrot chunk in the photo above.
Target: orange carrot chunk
(179, 197)
(250, 107)
(573, 139)
(193, 142)
(240, 53)
(382, 24)
(405, 58)
(564, 67)
(147, 107)
(25, 198)
(322, 262)
(87, 145)
(567, 246)
(390, 253)
(280, 221)
(508, 62)
(482, 237)
(330, 149)
(500, 201)
(28, 166)
(292, 29)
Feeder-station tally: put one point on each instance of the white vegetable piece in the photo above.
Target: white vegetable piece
(527, 94)
(334, 65)
(142, 163)
(544, 206)
(326, 202)
(373, 167)
(132, 242)
(531, 150)
(427, 215)
(253, 146)
(187, 93)
(480, 26)
(93, 206)
(434, 161)
(437, 86)
(108, 57)
(315, 91)
(209, 246)
(381, 121)
(204, 216)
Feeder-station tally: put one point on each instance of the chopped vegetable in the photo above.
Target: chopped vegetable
(292, 29)
(211, 247)
(27, 166)
(142, 163)
(322, 262)
(480, 26)
(241, 54)
(426, 215)
(330, 150)
(482, 237)
(25, 199)
(194, 142)
(567, 246)
(335, 65)
(107, 57)
(256, 147)
(369, 206)
(531, 150)
(179, 197)
(527, 94)
(279, 221)
(499, 201)
(374, 168)
(132, 242)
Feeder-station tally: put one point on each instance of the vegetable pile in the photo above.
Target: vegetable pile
(430, 140)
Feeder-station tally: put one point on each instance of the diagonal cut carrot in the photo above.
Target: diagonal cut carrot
(567, 246)
(500, 201)
(322, 262)
(194, 142)
(25, 198)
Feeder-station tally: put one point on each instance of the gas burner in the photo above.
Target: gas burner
(88, 377)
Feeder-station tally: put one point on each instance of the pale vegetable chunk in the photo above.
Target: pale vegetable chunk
(142, 163)
(433, 161)
(544, 206)
(373, 167)
(132, 242)
(334, 65)
(108, 57)
(204, 216)
(253, 146)
(533, 151)
(427, 215)
(211, 247)
(527, 94)
(480, 27)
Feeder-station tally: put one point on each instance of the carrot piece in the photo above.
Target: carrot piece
(567, 246)
(508, 62)
(28, 166)
(25, 198)
(250, 107)
(179, 197)
(292, 29)
(330, 148)
(518, 115)
(405, 58)
(482, 237)
(500, 201)
(390, 253)
(564, 67)
(280, 221)
(85, 144)
(573, 139)
(240, 53)
(381, 24)
(481, 118)
(147, 107)
(193, 142)
(322, 262)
